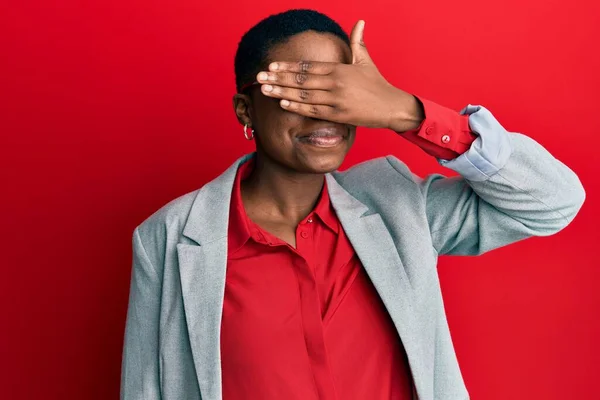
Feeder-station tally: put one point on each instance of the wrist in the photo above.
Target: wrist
(407, 112)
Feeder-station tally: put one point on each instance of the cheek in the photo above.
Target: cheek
(272, 123)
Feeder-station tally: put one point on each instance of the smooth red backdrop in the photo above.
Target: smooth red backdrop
(109, 109)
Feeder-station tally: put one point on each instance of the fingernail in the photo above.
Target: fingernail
(274, 66)
(263, 76)
(285, 103)
(267, 88)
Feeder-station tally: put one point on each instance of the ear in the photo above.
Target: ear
(242, 105)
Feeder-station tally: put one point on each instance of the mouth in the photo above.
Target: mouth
(324, 137)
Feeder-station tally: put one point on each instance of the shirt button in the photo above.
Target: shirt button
(429, 130)
(309, 220)
(304, 235)
(445, 139)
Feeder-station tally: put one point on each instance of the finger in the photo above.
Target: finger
(312, 67)
(320, 97)
(296, 80)
(310, 110)
(360, 55)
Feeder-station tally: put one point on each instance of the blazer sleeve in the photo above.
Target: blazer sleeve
(140, 366)
(510, 188)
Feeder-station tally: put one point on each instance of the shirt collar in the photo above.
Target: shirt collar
(324, 210)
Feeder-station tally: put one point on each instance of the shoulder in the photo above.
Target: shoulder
(165, 226)
(175, 212)
(381, 183)
(376, 173)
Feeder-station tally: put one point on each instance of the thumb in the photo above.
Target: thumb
(360, 55)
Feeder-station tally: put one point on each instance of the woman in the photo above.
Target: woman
(285, 279)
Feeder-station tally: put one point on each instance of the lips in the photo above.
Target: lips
(324, 137)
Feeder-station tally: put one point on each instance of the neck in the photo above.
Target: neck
(275, 193)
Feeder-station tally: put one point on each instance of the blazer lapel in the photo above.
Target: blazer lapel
(202, 268)
(376, 250)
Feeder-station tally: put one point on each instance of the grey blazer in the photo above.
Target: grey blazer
(509, 188)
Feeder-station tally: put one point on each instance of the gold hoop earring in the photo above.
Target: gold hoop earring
(251, 136)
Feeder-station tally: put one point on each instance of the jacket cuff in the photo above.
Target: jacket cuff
(488, 153)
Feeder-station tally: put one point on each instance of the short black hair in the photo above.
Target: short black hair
(253, 49)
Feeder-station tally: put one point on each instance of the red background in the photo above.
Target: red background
(109, 109)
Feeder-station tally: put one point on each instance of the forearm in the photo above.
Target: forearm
(509, 188)
(518, 176)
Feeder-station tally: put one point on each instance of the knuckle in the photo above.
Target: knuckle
(301, 78)
(304, 66)
(304, 94)
(314, 110)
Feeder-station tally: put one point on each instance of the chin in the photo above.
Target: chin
(325, 163)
